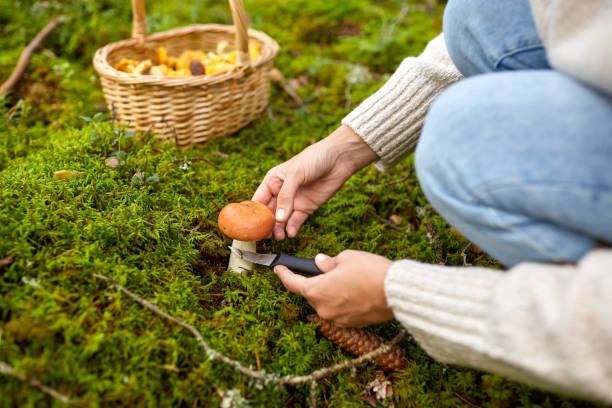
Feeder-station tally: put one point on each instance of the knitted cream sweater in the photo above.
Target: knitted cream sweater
(546, 325)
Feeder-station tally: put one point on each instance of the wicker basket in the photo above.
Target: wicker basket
(192, 109)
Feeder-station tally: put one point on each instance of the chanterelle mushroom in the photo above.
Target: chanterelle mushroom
(246, 222)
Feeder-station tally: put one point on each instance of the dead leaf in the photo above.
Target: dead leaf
(297, 83)
(66, 174)
(276, 75)
(378, 390)
(396, 219)
(348, 29)
(171, 367)
(455, 232)
(112, 162)
(476, 249)
(6, 261)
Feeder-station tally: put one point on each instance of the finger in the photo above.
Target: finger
(325, 263)
(272, 206)
(262, 194)
(269, 187)
(295, 222)
(293, 282)
(284, 200)
(279, 231)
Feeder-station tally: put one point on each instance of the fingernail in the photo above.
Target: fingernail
(280, 214)
(320, 258)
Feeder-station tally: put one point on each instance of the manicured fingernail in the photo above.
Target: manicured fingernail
(320, 258)
(280, 214)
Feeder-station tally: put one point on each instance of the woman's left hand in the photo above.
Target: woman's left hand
(351, 290)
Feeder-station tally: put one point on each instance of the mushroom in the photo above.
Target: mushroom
(246, 222)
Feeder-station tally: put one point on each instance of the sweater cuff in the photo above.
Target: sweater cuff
(442, 307)
(390, 120)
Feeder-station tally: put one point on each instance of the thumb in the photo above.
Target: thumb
(286, 195)
(325, 263)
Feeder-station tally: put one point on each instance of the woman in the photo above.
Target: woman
(518, 157)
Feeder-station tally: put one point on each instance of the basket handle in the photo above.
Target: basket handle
(139, 27)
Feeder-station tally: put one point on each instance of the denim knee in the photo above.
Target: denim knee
(437, 149)
(485, 36)
(461, 33)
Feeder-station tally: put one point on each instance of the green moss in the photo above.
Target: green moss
(89, 341)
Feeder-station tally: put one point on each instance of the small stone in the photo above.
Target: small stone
(112, 162)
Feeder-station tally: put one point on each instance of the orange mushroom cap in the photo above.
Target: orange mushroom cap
(246, 221)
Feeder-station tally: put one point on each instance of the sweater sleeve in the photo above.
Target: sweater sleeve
(390, 120)
(577, 37)
(545, 325)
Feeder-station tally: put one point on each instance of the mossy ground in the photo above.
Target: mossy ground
(87, 340)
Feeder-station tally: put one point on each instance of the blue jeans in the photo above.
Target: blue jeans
(517, 156)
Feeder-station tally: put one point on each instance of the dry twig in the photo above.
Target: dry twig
(464, 255)
(116, 193)
(221, 154)
(400, 180)
(26, 55)
(256, 374)
(71, 250)
(467, 401)
(313, 394)
(206, 159)
(277, 76)
(385, 221)
(93, 186)
(8, 370)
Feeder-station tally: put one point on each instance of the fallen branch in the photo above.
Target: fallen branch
(8, 370)
(26, 55)
(257, 375)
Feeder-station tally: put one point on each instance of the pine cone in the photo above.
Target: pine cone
(360, 341)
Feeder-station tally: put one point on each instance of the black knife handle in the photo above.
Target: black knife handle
(303, 265)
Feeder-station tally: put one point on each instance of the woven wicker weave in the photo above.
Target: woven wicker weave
(191, 109)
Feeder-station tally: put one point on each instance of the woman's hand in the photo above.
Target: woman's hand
(351, 290)
(295, 189)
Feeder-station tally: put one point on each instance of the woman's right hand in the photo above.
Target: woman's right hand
(295, 189)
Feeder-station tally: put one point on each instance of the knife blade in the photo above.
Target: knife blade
(296, 264)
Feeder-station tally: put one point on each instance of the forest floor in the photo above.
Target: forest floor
(150, 223)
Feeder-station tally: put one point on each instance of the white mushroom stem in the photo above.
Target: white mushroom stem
(238, 264)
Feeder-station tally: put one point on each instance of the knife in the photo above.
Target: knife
(303, 265)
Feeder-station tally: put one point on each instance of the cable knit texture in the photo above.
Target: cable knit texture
(546, 325)
(390, 120)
